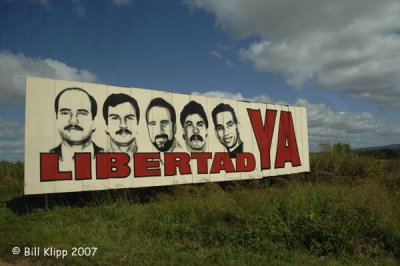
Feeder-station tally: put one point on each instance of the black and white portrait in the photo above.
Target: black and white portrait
(121, 114)
(227, 128)
(161, 125)
(75, 110)
(195, 125)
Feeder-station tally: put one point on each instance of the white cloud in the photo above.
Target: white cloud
(120, 3)
(11, 141)
(215, 54)
(14, 67)
(10, 130)
(348, 45)
(228, 63)
(12, 150)
(218, 55)
(221, 94)
(263, 98)
(360, 129)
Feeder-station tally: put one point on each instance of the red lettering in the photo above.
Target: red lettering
(175, 160)
(263, 134)
(245, 162)
(49, 168)
(287, 150)
(83, 166)
(202, 161)
(147, 164)
(112, 165)
(222, 161)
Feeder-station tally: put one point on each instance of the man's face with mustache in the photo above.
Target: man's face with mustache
(161, 129)
(74, 118)
(122, 124)
(195, 132)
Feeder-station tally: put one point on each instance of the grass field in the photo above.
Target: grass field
(345, 212)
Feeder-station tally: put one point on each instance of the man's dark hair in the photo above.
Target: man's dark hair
(222, 107)
(160, 102)
(116, 99)
(193, 108)
(93, 103)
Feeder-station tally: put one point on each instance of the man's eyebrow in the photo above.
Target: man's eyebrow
(64, 109)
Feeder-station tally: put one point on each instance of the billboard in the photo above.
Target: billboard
(83, 136)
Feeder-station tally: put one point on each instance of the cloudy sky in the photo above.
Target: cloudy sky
(338, 58)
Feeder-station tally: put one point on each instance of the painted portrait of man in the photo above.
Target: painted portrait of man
(227, 128)
(195, 125)
(161, 125)
(75, 110)
(121, 114)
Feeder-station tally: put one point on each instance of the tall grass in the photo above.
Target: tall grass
(348, 214)
(338, 163)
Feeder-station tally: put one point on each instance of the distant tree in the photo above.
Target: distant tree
(324, 147)
(341, 147)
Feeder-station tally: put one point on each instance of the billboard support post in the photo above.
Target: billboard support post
(46, 202)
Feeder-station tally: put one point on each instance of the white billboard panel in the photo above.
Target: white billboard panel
(83, 136)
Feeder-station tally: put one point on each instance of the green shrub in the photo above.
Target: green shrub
(11, 179)
(338, 163)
